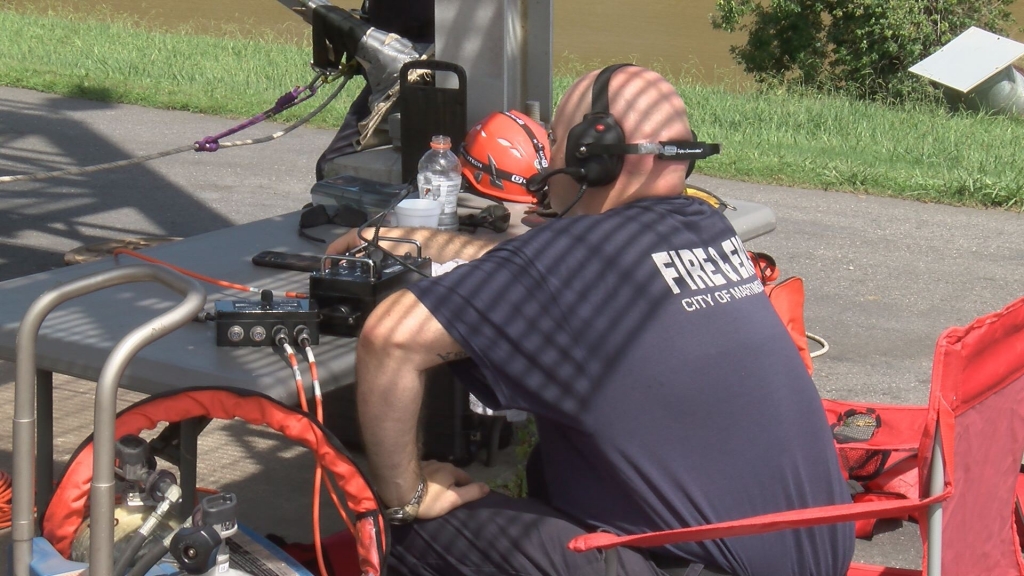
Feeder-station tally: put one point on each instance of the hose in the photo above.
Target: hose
(148, 560)
(135, 543)
(820, 341)
(200, 277)
(5, 500)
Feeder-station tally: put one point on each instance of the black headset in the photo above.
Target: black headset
(596, 147)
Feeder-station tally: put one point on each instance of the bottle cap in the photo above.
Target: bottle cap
(440, 142)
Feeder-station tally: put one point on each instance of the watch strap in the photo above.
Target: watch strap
(408, 513)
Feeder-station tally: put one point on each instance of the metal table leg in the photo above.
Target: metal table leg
(44, 440)
(188, 456)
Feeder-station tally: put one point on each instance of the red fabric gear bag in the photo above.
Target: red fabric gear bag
(787, 297)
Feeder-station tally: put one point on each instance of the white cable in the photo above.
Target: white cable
(316, 379)
(294, 363)
(819, 340)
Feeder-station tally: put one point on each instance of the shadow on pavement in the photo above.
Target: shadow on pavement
(41, 220)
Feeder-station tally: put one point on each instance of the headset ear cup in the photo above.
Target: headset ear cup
(595, 128)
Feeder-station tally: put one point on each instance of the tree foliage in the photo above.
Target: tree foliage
(861, 47)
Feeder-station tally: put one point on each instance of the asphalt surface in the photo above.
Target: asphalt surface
(883, 276)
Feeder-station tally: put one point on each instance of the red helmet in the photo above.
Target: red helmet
(501, 152)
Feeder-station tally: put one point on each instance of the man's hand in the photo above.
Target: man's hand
(345, 243)
(448, 488)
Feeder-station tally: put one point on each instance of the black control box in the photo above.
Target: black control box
(257, 322)
(349, 287)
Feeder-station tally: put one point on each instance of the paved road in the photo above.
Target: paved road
(884, 277)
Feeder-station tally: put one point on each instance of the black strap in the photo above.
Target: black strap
(599, 94)
(674, 150)
(538, 146)
(490, 168)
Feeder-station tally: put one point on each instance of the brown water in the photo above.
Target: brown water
(673, 35)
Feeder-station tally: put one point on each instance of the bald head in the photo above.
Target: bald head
(647, 108)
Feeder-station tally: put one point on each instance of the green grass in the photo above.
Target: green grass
(780, 137)
(114, 60)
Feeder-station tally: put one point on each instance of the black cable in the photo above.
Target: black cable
(148, 560)
(409, 187)
(579, 195)
(135, 543)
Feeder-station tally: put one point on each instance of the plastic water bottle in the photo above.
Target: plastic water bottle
(439, 177)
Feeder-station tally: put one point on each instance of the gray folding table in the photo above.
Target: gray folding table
(77, 336)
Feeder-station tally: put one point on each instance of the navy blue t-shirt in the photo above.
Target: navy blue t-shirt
(666, 390)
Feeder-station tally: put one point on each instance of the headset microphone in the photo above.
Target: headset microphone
(539, 181)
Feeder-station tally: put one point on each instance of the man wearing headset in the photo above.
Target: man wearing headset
(666, 391)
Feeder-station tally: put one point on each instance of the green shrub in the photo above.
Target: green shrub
(859, 47)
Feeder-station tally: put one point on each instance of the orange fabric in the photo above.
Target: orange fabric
(982, 440)
(787, 297)
(869, 570)
(758, 524)
(902, 426)
(67, 509)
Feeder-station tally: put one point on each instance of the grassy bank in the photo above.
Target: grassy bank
(804, 140)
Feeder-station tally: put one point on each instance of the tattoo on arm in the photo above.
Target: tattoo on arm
(452, 356)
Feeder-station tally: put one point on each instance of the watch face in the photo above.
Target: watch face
(407, 513)
(399, 515)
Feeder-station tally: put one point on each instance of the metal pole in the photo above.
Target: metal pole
(24, 420)
(304, 8)
(101, 498)
(936, 485)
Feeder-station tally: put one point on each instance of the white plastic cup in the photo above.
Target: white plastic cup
(418, 213)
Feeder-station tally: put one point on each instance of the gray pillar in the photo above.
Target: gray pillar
(505, 47)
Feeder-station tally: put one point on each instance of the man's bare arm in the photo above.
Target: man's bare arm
(400, 341)
(438, 245)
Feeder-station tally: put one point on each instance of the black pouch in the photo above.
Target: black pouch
(494, 217)
(861, 464)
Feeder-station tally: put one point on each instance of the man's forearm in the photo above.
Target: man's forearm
(438, 245)
(388, 396)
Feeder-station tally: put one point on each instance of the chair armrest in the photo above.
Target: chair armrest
(759, 524)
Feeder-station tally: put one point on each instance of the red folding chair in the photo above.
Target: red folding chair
(969, 441)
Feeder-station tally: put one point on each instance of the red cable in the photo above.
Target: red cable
(6, 495)
(201, 277)
(318, 475)
(318, 396)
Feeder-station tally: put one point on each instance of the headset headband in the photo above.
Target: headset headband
(599, 93)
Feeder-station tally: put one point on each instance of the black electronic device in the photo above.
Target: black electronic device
(260, 322)
(348, 287)
(286, 261)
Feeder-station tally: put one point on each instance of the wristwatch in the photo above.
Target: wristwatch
(407, 513)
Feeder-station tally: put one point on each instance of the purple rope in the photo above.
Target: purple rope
(286, 101)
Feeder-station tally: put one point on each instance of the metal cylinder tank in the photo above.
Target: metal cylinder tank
(1002, 93)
